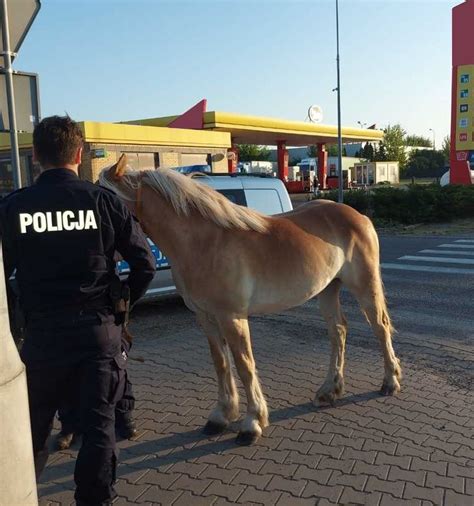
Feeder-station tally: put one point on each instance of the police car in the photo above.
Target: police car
(265, 194)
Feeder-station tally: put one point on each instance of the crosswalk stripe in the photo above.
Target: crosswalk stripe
(465, 240)
(426, 268)
(439, 259)
(456, 246)
(449, 252)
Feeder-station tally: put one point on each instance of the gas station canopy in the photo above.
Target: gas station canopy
(269, 131)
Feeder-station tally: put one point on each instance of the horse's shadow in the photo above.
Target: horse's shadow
(185, 446)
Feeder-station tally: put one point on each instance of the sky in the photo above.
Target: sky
(117, 60)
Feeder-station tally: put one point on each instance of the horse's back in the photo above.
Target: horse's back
(332, 222)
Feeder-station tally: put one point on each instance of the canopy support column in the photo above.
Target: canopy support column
(282, 157)
(232, 158)
(322, 165)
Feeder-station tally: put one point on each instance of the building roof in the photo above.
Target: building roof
(267, 131)
(119, 133)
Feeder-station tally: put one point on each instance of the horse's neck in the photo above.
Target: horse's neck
(170, 231)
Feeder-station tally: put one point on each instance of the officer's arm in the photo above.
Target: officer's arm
(132, 244)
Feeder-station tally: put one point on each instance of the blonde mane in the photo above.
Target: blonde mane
(187, 195)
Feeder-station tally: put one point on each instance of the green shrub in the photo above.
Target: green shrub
(415, 204)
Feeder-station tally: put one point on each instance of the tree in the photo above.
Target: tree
(381, 154)
(446, 148)
(368, 152)
(425, 163)
(332, 150)
(251, 152)
(418, 141)
(294, 161)
(312, 151)
(394, 144)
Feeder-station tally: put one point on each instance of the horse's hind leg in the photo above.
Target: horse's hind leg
(330, 307)
(227, 408)
(237, 334)
(370, 295)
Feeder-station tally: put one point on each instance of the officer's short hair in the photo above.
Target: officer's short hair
(56, 140)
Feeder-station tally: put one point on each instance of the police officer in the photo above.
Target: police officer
(60, 235)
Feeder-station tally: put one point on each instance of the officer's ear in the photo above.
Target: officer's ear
(118, 170)
(78, 156)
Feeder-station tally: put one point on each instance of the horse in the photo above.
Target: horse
(230, 262)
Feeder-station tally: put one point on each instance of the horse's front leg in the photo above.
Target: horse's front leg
(227, 407)
(237, 334)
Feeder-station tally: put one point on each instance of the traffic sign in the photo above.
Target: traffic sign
(21, 14)
(27, 106)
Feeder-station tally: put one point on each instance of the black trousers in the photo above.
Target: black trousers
(69, 415)
(79, 358)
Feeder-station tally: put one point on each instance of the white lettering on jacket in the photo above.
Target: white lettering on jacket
(57, 221)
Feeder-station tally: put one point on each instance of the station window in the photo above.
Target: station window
(141, 161)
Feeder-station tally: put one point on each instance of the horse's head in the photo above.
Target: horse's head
(123, 181)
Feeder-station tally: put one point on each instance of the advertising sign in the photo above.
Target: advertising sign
(465, 108)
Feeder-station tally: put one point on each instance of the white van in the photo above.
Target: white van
(265, 194)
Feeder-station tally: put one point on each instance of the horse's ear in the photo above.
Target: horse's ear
(118, 170)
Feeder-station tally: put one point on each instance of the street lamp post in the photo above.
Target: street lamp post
(362, 125)
(339, 129)
(434, 139)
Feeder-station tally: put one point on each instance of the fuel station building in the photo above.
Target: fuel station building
(259, 130)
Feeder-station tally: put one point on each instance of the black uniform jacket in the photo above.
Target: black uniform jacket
(61, 235)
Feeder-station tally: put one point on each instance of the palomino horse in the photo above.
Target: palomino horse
(229, 262)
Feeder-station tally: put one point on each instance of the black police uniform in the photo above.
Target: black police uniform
(61, 235)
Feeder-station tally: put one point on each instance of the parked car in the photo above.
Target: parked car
(264, 194)
(189, 169)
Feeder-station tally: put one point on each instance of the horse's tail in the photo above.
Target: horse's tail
(369, 288)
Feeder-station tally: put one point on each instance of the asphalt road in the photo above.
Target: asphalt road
(434, 304)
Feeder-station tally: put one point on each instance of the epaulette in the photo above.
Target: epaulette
(108, 190)
(95, 186)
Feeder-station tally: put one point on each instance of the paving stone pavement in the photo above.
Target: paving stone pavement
(415, 449)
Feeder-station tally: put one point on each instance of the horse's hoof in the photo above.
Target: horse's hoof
(246, 438)
(64, 440)
(328, 399)
(213, 428)
(389, 389)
